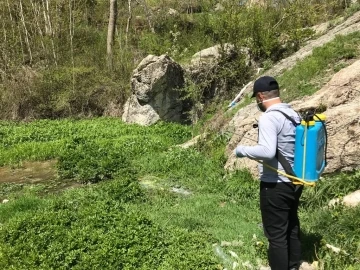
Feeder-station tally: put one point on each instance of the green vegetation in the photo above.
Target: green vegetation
(143, 202)
(310, 75)
(161, 206)
(95, 228)
(53, 53)
(335, 225)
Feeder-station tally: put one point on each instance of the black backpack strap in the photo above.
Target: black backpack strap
(283, 161)
(287, 117)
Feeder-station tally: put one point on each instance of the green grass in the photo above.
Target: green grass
(135, 219)
(313, 72)
(227, 220)
(96, 227)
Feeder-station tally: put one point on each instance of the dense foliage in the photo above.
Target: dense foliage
(99, 226)
(53, 53)
(94, 228)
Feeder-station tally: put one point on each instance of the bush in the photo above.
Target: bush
(91, 161)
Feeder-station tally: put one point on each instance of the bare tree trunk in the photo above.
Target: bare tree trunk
(36, 16)
(128, 23)
(47, 30)
(26, 31)
(118, 34)
(111, 33)
(148, 15)
(13, 27)
(48, 26)
(71, 31)
(11, 18)
(4, 51)
(21, 43)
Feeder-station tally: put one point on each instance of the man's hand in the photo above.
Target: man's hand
(237, 153)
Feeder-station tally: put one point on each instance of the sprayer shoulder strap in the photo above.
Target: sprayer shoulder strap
(284, 163)
(287, 117)
(280, 157)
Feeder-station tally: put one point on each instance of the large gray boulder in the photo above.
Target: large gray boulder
(241, 128)
(210, 56)
(155, 95)
(204, 71)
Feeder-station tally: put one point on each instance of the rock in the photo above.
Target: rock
(332, 248)
(321, 28)
(231, 244)
(246, 265)
(219, 7)
(156, 96)
(315, 265)
(203, 67)
(193, 141)
(350, 25)
(352, 199)
(233, 254)
(181, 191)
(173, 12)
(334, 202)
(306, 266)
(242, 131)
(211, 55)
(341, 98)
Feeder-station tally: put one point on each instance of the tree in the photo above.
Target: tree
(111, 33)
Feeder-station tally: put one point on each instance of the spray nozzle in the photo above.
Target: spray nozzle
(309, 116)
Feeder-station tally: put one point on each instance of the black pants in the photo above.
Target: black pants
(279, 211)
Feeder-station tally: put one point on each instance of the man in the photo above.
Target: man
(279, 197)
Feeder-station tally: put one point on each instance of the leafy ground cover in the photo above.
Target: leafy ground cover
(152, 205)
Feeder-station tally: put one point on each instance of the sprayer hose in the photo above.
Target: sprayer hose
(294, 179)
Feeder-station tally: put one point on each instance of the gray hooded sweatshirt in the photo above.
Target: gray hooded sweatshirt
(275, 131)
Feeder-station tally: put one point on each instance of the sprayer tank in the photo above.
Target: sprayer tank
(309, 159)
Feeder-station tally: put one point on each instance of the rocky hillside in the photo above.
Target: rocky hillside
(339, 96)
(155, 96)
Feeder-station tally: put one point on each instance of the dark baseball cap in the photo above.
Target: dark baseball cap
(263, 84)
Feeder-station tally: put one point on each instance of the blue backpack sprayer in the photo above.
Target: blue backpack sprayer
(310, 150)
